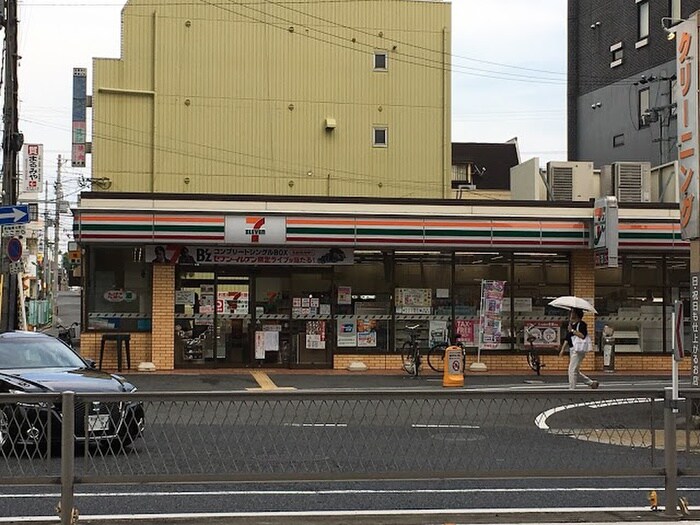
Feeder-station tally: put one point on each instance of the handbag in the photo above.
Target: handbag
(581, 345)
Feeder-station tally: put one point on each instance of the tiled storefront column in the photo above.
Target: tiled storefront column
(583, 286)
(162, 330)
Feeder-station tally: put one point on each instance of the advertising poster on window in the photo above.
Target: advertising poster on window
(266, 341)
(184, 297)
(491, 313)
(413, 301)
(366, 333)
(465, 329)
(316, 335)
(206, 299)
(233, 302)
(347, 333)
(344, 295)
(438, 332)
(545, 333)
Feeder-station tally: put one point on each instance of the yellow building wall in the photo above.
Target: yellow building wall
(232, 98)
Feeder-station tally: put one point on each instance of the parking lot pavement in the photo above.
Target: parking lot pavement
(270, 379)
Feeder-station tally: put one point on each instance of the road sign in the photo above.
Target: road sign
(17, 214)
(16, 267)
(14, 249)
(14, 230)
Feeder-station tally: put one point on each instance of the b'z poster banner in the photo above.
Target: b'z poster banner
(258, 256)
(491, 313)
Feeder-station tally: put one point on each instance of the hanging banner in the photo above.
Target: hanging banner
(262, 256)
(33, 168)
(491, 312)
(695, 329)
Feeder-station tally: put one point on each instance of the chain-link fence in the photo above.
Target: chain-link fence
(323, 435)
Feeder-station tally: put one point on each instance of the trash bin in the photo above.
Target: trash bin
(608, 345)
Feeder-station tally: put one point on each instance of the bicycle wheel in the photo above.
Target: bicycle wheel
(408, 359)
(533, 360)
(436, 357)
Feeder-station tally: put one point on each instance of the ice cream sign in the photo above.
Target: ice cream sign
(119, 296)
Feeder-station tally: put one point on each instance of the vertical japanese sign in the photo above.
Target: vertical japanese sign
(79, 117)
(695, 329)
(605, 232)
(33, 168)
(491, 310)
(687, 97)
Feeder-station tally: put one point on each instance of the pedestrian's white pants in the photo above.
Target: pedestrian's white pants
(574, 370)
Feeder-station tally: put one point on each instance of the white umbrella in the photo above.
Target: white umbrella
(570, 301)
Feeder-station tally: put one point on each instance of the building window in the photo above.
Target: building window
(616, 54)
(644, 108)
(380, 61)
(642, 19)
(619, 140)
(380, 138)
(674, 11)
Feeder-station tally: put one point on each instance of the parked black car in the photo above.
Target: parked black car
(32, 363)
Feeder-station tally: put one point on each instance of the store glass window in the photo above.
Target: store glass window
(422, 288)
(119, 293)
(470, 270)
(538, 279)
(632, 299)
(363, 303)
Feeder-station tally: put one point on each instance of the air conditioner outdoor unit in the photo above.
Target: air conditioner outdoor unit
(570, 181)
(632, 181)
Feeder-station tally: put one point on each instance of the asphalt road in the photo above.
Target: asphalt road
(394, 433)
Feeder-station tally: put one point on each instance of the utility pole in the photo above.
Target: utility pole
(56, 239)
(11, 145)
(45, 277)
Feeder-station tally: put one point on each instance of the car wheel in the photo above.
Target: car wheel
(4, 431)
(133, 427)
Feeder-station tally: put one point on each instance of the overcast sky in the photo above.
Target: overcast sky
(508, 78)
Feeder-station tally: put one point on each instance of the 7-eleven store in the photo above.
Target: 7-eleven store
(216, 281)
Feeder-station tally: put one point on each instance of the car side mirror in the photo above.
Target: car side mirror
(90, 363)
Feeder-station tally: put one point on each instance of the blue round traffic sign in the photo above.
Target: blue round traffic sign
(14, 249)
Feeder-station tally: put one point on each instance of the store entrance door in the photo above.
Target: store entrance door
(212, 320)
(233, 320)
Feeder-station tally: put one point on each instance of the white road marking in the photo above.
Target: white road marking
(418, 425)
(541, 419)
(314, 425)
(345, 513)
(335, 492)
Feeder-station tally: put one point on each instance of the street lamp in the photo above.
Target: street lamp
(668, 24)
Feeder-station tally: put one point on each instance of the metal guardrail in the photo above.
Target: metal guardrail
(330, 435)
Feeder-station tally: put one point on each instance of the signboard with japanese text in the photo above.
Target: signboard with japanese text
(413, 300)
(33, 168)
(687, 122)
(695, 329)
(545, 333)
(79, 139)
(254, 256)
(605, 232)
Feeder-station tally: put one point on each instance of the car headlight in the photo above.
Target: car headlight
(39, 404)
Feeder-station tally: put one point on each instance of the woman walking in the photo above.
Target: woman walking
(579, 343)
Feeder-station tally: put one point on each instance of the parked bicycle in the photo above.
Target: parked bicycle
(436, 355)
(410, 352)
(68, 334)
(533, 357)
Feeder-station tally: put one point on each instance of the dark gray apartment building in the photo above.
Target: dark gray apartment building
(621, 79)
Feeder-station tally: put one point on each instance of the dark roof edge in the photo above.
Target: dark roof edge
(366, 200)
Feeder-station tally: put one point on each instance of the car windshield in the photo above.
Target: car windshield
(30, 352)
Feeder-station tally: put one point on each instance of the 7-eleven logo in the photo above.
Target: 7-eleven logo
(256, 228)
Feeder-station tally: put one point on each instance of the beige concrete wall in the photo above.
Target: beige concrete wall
(233, 99)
